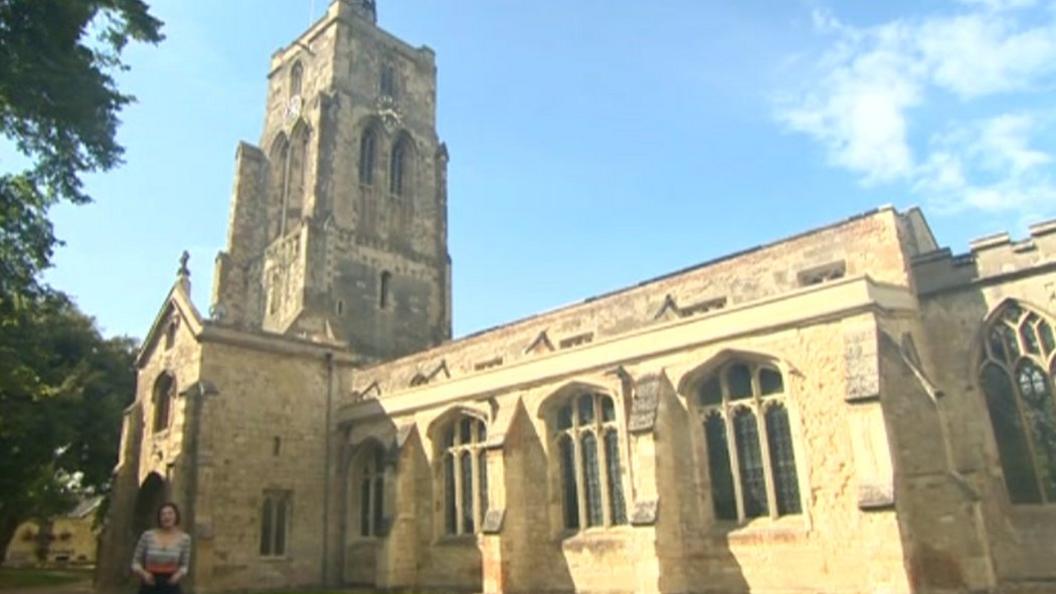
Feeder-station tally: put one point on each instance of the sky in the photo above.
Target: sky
(598, 143)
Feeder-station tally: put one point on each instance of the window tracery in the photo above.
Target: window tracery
(752, 469)
(590, 474)
(1016, 373)
(465, 475)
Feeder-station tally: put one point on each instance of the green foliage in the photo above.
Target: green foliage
(59, 104)
(62, 386)
(62, 389)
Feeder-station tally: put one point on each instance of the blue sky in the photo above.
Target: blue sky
(595, 144)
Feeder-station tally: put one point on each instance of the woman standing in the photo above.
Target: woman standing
(163, 554)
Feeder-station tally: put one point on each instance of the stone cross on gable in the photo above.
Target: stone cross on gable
(184, 258)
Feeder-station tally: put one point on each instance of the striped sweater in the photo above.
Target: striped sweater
(156, 557)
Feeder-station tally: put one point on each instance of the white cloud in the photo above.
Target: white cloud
(862, 104)
(976, 55)
(999, 5)
(989, 165)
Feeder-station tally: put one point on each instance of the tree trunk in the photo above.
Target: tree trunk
(8, 525)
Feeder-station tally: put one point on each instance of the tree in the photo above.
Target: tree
(62, 386)
(59, 105)
(62, 391)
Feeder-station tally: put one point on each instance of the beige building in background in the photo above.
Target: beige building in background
(67, 539)
(853, 409)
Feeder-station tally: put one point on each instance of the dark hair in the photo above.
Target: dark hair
(174, 507)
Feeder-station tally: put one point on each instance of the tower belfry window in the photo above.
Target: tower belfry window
(366, 156)
(296, 78)
(398, 168)
(387, 82)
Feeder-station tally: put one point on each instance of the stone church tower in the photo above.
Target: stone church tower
(338, 225)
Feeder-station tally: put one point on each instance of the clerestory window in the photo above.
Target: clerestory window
(587, 439)
(1016, 373)
(750, 458)
(465, 475)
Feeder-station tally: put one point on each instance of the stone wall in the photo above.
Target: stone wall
(675, 545)
(966, 290)
(262, 431)
(867, 244)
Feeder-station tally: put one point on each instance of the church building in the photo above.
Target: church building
(853, 409)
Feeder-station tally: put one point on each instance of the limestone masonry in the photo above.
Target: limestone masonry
(853, 409)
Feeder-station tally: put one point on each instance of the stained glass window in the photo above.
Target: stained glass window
(782, 460)
(1019, 397)
(579, 422)
(465, 474)
(618, 511)
(762, 472)
(568, 480)
(591, 480)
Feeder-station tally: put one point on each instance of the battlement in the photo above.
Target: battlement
(989, 258)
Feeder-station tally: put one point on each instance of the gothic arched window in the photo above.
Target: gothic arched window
(587, 439)
(296, 183)
(372, 492)
(367, 150)
(752, 469)
(1016, 374)
(163, 394)
(399, 167)
(296, 78)
(465, 474)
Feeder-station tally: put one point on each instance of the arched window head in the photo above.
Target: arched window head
(163, 394)
(372, 491)
(465, 474)
(751, 466)
(296, 79)
(586, 431)
(1016, 373)
(399, 168)
(367, 151)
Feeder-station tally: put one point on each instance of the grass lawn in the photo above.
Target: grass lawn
(31, 578)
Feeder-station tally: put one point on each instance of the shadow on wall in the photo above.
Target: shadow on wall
(985, 449)
(693, 549)
(532, 560)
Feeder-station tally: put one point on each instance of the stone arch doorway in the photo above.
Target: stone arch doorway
(149, 498)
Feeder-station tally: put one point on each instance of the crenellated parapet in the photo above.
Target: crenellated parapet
(989, 258)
